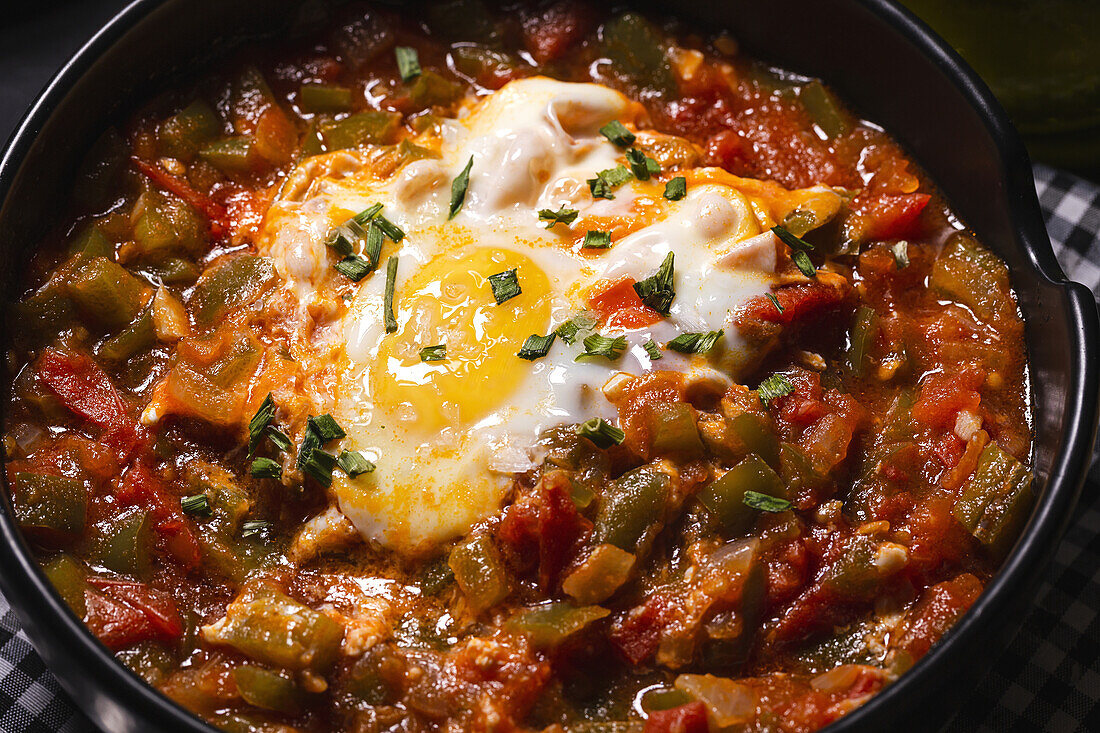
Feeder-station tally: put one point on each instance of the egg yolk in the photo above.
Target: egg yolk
(450, 302)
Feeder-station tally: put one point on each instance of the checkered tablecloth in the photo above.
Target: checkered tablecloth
(1046, 679)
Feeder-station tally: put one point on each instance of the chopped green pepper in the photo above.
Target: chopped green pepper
(184, 133)
(756, 436)
(232, 154)
(969, 273)
(372, 127)
(861, 338)
(430, 89)
(92, 243)
(994, 502)
(314, 97)
(106, 294)
(52, 504)
(549, 624)
(125, 544)
(138, 336)
(637, 49)
(824, 110)
(149, 660)
(724, 497)
(166, 227)
(269, 690)
(632, 508)
(229, 285)
(674, 431)
(480, 573)
(69, 579)
(602, 573)
(271, 627)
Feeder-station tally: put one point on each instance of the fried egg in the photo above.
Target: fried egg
(448, 436)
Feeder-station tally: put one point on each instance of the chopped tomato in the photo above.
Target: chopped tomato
(214, 212)
(124, 613)
(690, 718)
(943, 395)
(550, 33)
(935, 613)
(797, 303)
(619, 306)
(560, 526)
(86, 389)
(141, 487)
(888, 216)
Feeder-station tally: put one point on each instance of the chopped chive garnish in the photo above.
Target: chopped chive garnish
(259, 422)
(605, 346)
(676, 189)
(796, 243)
(278, 438)
(641, 165)
(458, 188)
(597, 240)
(342, 238)
(605, 180)
(408, 63)
(657, 291)
(766, 503)
(319, 465)
(652, 349)
(197, 505)
(561, 216)
(574, 326)
(391, 230)
(802, 262)
(774, 386)
(601, 432)
(505, 285)
(310, 442)
(354, 268)
(255, 528)
(373, 248)
(901, 254)
(617, 133)
(695, 343)
(799, 248)
(536, 347)
(266, 468)
(364, 216)
(434, 353)
(775, 301)
(327, 428)
(387, 305)
(354, 463)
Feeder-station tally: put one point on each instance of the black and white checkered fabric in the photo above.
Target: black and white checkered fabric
(1047, 679)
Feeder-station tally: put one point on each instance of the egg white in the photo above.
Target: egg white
(448, 437)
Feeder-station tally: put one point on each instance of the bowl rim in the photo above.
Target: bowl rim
(28, 590)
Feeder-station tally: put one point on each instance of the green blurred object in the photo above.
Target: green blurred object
(1042, 60)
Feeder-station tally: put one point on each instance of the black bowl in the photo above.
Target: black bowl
(889, 66)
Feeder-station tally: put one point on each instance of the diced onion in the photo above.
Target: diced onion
(967, 424)
(728, 702)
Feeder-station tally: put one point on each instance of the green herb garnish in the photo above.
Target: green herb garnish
(775, 301)
(278, 438)
(255, 528)
(617, 133)
(695, 343)
(605, 180)
(652, 349)
(458, 188)
(354, 268)
(601, 432)
(266, 468)
(505, 285)
(408, 63)
(259, 422)
(561, 216)
(765, 502)
(676, 189)
(327, 428)
(373, 247)
(641, 165)
(434, 353)
(353, 463)
(596, 240)
(387, 302)
(799, 248)
(536, 347)
(575, 325)
(319, 465)
(196, 506)
(657, 290)
(605, 346)
(774, 386)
